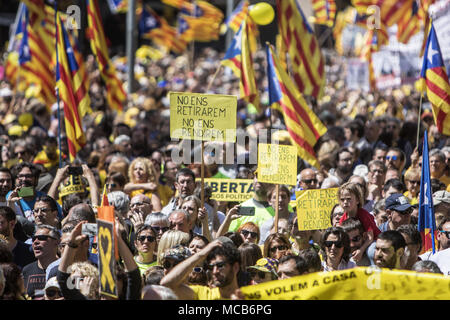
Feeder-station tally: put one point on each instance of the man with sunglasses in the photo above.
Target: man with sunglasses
(359, 241)
(399, 212)
(222, 260)
(442, 256)
(308, 179)
(395, 159)
(45, 247)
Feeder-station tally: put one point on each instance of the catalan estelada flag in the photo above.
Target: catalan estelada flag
(409, 24)
(427, 223)
(324, 12)
(74, 97)
(152, 26)
(238, 15)
(308, 65)
(391, 11)
(434, 80)
(238, 57)
(304, 127)
(115, 93)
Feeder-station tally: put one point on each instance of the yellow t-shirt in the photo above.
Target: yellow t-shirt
(412, 200)
(165, 194)
(206, 293)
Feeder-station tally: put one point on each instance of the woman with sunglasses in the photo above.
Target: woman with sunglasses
(145, 244)
(159, 222)
(198, 274)
(335, 245)
(249, 232)
(115, 181)
(276, 246)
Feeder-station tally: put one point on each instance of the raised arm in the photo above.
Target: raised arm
(89, 175)
(232, 214)
(175, 278)
(61, 174)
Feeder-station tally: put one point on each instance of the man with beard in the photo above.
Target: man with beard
(395, 159)
(5, 184)
(263, 210)
(45, 246)
(359, 241)
(390, 247)
(22, 254)
(375, 179)
(344, 165)
(222, 261)
(25, 175)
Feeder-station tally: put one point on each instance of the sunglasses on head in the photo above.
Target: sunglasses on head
(391, 157)
(159, 229)
(219, 265)
(149, 238)
(279, 248)
(42, 237)
(245, 233)
(53, 292)
(329, 244)
(168, 264)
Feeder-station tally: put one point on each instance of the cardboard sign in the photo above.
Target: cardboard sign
(106, 261)
(230, 189)
(277, 164)
(362, 283)
(314, 208)
(199, 116)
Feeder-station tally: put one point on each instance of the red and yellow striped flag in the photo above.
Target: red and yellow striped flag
(115, 93)
(304, 127)
(324, 12)
(409, 24)
(307, 61)
(434, 80)
(74, 97)
(239, 14)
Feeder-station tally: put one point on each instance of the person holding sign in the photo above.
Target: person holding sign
(284, 198)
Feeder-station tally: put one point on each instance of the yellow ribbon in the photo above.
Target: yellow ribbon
(105, 258)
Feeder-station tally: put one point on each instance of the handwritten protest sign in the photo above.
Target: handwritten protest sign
(230, 189)
(206, 117)
(314, 208)
(354, 284)
(277, 164)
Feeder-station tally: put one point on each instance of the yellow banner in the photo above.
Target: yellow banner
(230, 189)
(277, 164)
(200, 116)
(314, 208)
(354, 284)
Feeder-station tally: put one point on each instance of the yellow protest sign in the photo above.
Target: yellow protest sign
(354, 284)
(314, 208)
(230, 189)
(200, 116)
(277, 164)
(106, 261)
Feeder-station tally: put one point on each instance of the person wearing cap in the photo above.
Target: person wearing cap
(222, 261)
(264, 270)
(441, 204)
(52, 290)
(399, 212)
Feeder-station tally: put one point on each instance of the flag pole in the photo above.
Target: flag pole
(277, 193)
(418, 120)
(213, 78)
(56, 86)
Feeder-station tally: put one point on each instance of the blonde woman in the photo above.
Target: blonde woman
(170, 239)
(88, 275)
(143, 180)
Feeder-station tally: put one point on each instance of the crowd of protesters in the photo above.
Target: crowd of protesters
(173, 247)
